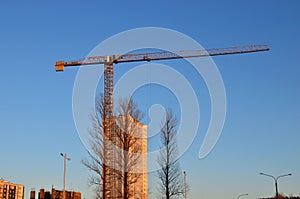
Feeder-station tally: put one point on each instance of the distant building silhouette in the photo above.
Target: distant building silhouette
(32, 194)
(55, 194)
(9, 190)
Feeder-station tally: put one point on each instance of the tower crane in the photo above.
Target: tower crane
(110, 60)
(109, 175)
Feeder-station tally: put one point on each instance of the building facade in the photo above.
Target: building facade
(125, 129)
(9, 190)
(140, 187)
(55, 194)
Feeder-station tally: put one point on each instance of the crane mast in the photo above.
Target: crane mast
(109, 174)
(108, 89)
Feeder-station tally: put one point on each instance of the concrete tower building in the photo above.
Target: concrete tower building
(114, 157)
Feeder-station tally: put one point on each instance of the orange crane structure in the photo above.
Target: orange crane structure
(109, 181)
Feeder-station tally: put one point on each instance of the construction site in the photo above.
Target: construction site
(216, 85)
(112, 161)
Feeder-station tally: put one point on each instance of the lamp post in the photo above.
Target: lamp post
(245, 194)
(65, 168)
(184, 175)
(276, 179)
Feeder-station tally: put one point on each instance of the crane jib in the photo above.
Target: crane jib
(161, 55)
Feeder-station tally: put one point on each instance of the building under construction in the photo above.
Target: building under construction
(120, 163)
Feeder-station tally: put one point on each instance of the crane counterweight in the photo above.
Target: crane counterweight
(59, 66)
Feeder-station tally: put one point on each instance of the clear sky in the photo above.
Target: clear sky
(262, 127)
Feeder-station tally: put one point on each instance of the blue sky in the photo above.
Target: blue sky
(261, 131)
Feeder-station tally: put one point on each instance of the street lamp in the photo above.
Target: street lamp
(184, 175)
(276, 179)
(65, 168)
(245, 194)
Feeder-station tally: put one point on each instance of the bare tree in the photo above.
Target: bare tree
(94, 162)
(124, 143)
(170, 175)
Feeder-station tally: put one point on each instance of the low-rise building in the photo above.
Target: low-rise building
(55, 194)
(10, 190)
